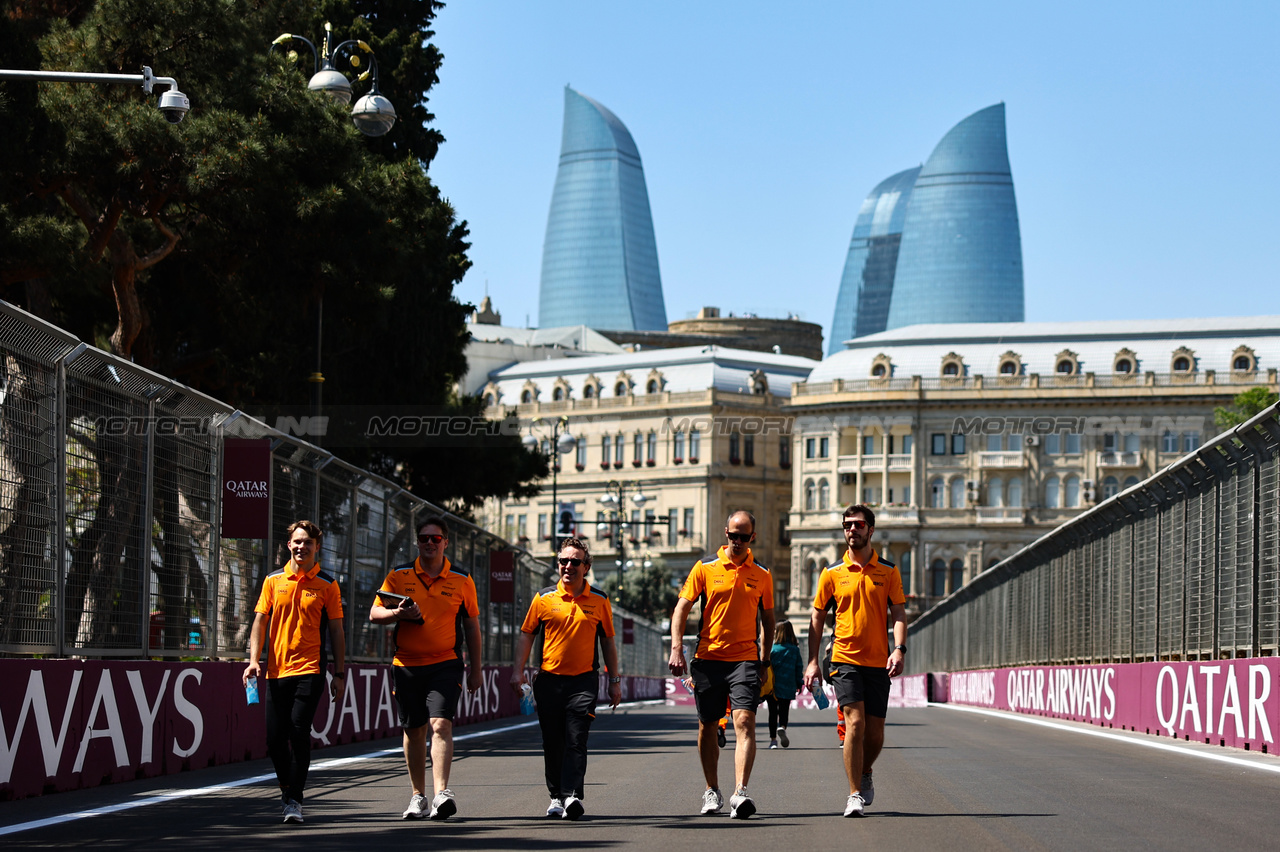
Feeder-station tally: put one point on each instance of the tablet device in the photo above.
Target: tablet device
(392, 601)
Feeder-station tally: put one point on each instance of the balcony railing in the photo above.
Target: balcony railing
(1115, 459)
(1002, 459)
(1000, 514)
(898, 462)
(897, 514)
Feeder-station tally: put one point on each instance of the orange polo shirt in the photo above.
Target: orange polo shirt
(860, 596)
(300, 606)
(444, 602)
(732, 597)
(572, 627)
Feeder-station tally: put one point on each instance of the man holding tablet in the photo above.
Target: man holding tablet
(434, 610)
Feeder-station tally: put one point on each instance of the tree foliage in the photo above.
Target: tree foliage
(1245, 406)
(650, 591)
(209, 250)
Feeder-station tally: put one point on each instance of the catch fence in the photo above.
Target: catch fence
(1183, 566)
(110, 503)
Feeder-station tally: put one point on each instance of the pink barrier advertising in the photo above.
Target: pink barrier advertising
(68, 724)
(907, 691)
(1223, 702)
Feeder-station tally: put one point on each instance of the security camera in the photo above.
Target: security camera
(174, 105)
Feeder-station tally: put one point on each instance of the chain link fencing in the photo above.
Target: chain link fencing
(1183, 566)
(110, 504)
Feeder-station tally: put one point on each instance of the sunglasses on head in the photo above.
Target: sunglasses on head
(566, 561)
(430, 539)
(739, 536)
(855, 525)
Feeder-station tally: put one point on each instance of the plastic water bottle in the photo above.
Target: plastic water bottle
(251, 691)
(819, 692)
(526, 700)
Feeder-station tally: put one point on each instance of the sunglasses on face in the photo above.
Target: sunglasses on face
(745, 537)
(855, 525)
(566, 561)
(430, 539)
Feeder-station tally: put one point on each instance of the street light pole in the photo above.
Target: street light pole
(614, 499)
(561, 443)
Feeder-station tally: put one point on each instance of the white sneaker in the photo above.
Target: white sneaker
(783, 738)
(741, 805)
(555, 809)
(292, 811)
(443, 805)
(773, 743)
(854, 806)
(417, 807)
(573, 807)
(712, 801)
(868, 789)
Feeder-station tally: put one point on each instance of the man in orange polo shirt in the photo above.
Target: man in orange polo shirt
(734, 641)
(576, 621)
(864, 592)
(439, 609)
(301, 607)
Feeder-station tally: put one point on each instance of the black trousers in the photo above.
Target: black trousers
(778, 711)
(291, 707)
(566, 709)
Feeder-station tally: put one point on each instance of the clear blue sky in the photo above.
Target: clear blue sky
(1143, 139)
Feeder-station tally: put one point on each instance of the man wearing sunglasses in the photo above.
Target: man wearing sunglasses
(734, 641)
(576, 623)
(863, 592)
(437, 611)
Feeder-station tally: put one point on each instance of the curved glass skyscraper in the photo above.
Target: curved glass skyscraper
(862, 306)
(599, 257)
(961, 253)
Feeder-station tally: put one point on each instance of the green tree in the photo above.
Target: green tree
(1246, 405)
(649, 591)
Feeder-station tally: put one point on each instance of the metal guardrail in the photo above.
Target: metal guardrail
(110, 507)
(1183, 566)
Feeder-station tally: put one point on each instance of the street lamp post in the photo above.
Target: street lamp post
(373, 115)
(614, 500)
(173, 104)
(562, 442)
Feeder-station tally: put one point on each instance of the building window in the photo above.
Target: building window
(783, 538)
(620, 389)
(1072, 492)
(1168, 442)
(1052, 444)
(695, 442)
(906, 494)
(649, 517)
(637, 449)
(582, 455)
(823, 446)
(824, 495)
(784, 452)
(1111, 442)
(651, 449)
(957, 574)
(735, 442)
(1073, 443)
(1015, 492)
(557, 394)
(604, 451)
(957, 444)
(490, 400)
(673, 526)
(937, 491)
(995, 492)
(908, 443)
(1132, 443)
(522, 527)
(810, 496)
(1066, 367)
(748, 449)
(1242, 364)
(588, 391)
(951, 368)
(677, 446)
(879, 371)
(995, 443)
(543, 532)
(904, 570)
(870, 495)
(811, 448)
(938, 444)
(526, 397)
(1182, 364)
(1124, 366)
(1190, 442)
(1051, 493)
(652, 386)
(1110, 487)
(509, 528)
(619, 449)
(957, 493)
(868, 445)
(687, 529)
(1130, 481)
(938, 578)
(1009, 368)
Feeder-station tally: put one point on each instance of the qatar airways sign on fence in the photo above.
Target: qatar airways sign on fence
(1225, 702)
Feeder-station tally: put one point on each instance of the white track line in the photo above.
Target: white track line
(1265, 762)
(173, 795)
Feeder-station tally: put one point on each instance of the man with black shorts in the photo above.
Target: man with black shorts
(438, 610)
(734, 642)
(863, 592)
